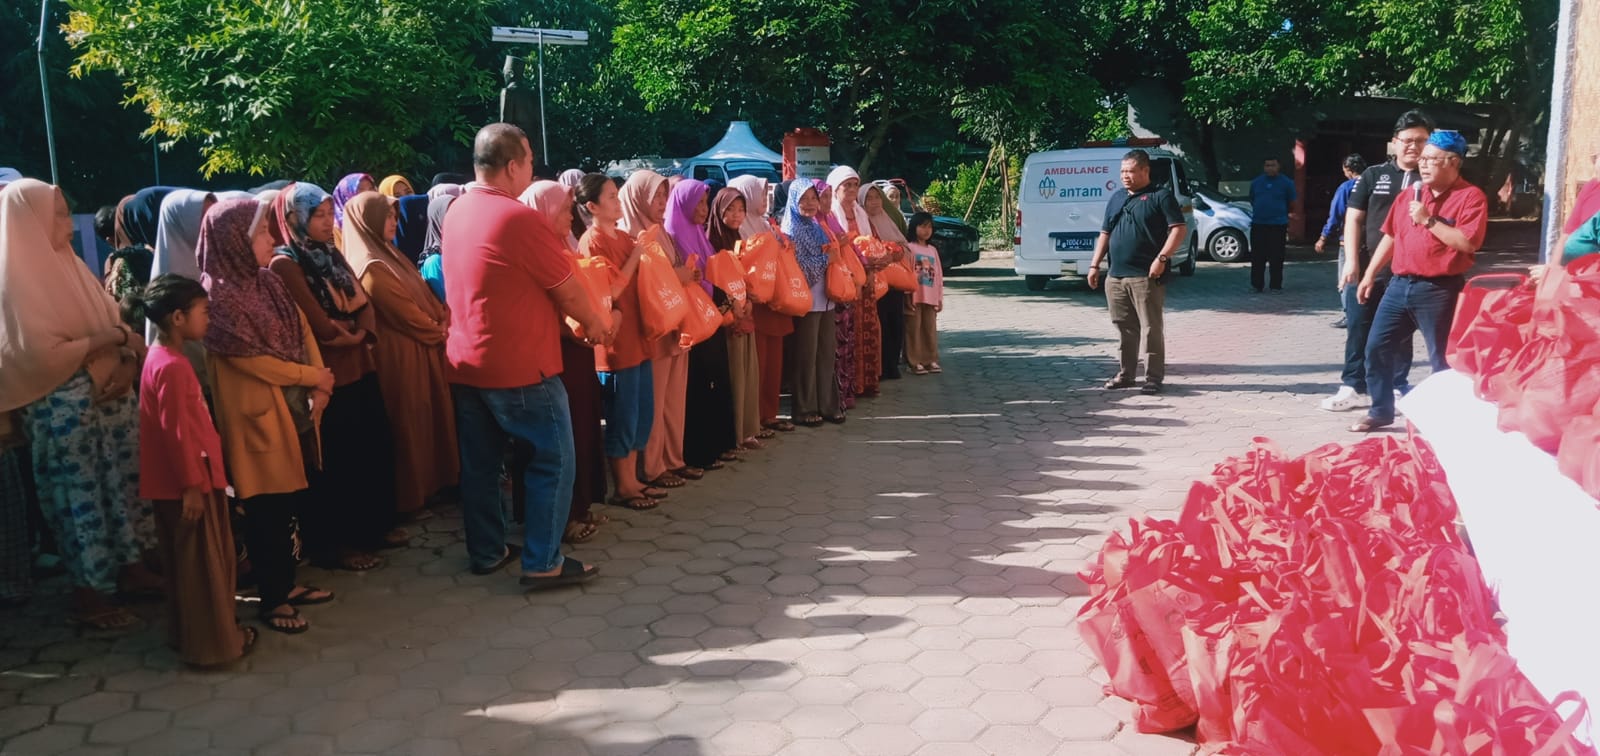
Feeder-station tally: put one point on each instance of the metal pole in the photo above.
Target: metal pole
(544, 137)
(44, 88)
(155, 154)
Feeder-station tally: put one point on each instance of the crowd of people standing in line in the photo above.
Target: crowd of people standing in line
(314, 371)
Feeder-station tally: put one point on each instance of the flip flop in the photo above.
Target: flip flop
(572, 572)
(635, 503)
(690, 473)
(294, 614)
(579, 531)
(107, 620)
(301, 599)
(595, 518)
(716, 464)
(512, 552)
(651, 493)
(837, 419)
(766, 433)
(668, 480)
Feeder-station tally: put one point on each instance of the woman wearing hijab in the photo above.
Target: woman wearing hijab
(128, 268)
(176, 235)
(727, 223)
(268, 387)
(770, 326)
(644, 198)
(411, 226)
(709, 431)
(815, 377)
(430, 263)
(410, 355)
(891, 308)
(844, 316)
(347, 188)
(445, 190)
(395, 186)
(354, 489)
(624, 364)
(864, 349)
(581, 219)
(584, 400)
(70, 364)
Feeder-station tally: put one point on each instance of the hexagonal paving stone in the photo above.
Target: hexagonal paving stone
(123, 729)
(956, 725)
(820, 721)
(94, 708)
(884, 740)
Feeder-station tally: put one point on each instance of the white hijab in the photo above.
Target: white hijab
(754, 191)
(846, 207)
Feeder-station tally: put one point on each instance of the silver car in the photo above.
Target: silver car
(1221, 225)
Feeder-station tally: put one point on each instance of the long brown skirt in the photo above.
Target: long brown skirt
(200, 574)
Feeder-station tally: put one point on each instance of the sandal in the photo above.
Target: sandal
(782, 426)
(651, 493)
(837, 419)
(934, 368)
(572, 572)
(690, 473)
(305, 596)
(359, 561)
(398, 538)
(752, 444)
(766, 433)
(288, 624)
(513, 551)
(111, 618)
(919, 370)
(579, 531)
(729, 456)
(595, 518)
(635, 503)
(812, 421)
(667, 480)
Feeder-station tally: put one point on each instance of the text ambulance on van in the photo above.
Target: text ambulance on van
(1061, 207)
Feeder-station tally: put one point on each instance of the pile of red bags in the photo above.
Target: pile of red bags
(1324, 604)
(1535, 351)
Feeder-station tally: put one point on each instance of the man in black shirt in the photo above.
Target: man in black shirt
(1375, 192)
(1143, 227)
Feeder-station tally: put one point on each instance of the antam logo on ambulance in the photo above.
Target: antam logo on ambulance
(1072, 182)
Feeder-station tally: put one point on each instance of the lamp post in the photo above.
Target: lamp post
(540, 37)
(44, 88)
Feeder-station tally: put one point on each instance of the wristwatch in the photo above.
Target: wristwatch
(1432, 219)
(1164, 259)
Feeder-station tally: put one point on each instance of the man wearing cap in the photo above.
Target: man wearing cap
(1432, 239)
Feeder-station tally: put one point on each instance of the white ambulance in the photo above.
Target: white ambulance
(1062, 201)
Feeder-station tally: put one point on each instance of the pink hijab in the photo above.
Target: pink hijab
(553, 201)
(51, 305)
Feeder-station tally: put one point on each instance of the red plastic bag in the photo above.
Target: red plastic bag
(1556, 373)
(1491, 324)
(1579, 454)
(702, 319)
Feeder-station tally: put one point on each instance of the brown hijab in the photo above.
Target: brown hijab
(365, 216)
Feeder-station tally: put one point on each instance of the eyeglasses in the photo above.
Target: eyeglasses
(1412, 142)
(1437, 160)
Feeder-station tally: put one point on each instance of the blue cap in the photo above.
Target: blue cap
(1449, 141)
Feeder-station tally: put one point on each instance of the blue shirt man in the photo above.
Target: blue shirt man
(1270, 198)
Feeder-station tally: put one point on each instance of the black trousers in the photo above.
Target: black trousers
(352, 496)
(892, 317)
(267, 522)
(1267, 248)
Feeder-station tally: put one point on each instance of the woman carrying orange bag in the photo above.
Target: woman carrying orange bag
(769, 325)
(744, 372)
(708, 427)
(897, 273)
(814, 377)
(860, 341)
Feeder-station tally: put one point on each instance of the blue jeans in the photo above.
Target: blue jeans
(1357, 328)
(1409, 305)
(486, 419)
(630, 409)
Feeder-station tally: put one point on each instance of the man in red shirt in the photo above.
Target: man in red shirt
(1432, 241)
(508, 283)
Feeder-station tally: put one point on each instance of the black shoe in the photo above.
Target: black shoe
(513, 552)
(1150, 389)
(1340, 323)
(1118, 384)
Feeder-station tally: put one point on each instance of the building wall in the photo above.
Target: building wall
(1578, 128)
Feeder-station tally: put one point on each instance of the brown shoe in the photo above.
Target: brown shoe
(1370, 424)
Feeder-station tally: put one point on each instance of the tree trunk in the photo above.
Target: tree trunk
(1208, 154)
(1504, 162)
(987, 164)
(880, 134)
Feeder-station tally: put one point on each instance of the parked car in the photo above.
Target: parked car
(957, 241)
(1061, 207)
(1221, 225)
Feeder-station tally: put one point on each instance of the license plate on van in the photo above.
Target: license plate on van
(1066, 242)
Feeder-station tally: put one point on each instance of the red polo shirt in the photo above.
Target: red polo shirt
(500, 262)
(1417, 252)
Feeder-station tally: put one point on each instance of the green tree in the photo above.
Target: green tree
(1001, 67)
(291, 87)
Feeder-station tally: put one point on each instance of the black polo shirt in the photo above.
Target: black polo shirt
(1138, 222)
(1375, 192)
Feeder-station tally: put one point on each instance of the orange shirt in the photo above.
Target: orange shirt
(627, 349)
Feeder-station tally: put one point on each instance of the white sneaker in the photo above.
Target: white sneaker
(1345, 400)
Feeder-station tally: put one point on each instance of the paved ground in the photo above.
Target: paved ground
(903, 584)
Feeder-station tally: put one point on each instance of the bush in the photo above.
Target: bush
(953, 194)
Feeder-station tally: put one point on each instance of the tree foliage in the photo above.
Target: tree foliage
(1004, 68)
(291, 87)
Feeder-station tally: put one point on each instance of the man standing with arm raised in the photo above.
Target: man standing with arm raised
(1433, 239)
(508, 283)
(1136, 290)
(1374, 193)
